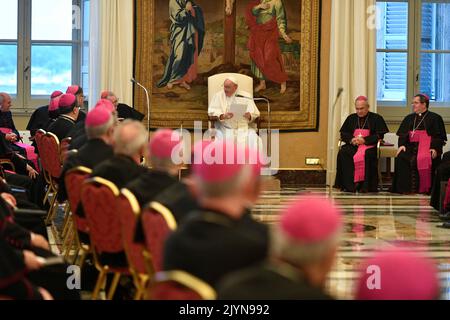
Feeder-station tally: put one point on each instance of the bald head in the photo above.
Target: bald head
(5, 102)
(230, 86)
(130, 139)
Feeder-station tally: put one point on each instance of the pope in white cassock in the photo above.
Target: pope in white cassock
(240, 130)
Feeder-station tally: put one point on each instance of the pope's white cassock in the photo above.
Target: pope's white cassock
(241, 130)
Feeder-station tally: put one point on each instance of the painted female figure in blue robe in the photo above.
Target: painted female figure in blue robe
(187, 33)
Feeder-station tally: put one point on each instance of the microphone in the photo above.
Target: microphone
(269, 129)
(133, 80)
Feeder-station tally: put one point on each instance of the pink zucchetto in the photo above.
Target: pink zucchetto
(55, 94)
(106, 104)
(362, 98)
(311, 220)
(219, 161)
(67, 100)
(401, 275)
(163, 143)
(98, 117)
(54, 101)
(73, 90)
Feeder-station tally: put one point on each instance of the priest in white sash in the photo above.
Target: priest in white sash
(230, 126)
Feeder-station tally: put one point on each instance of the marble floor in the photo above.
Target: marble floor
(372, 221)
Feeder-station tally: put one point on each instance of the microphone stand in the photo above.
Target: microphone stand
(269, 126)
(148, 100)
(340, 91)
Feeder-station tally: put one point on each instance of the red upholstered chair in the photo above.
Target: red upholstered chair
(180, 285)
(49, 151)
(99, 197)
(38, 139)
(158, 222)
(129, 211)
(65, 144)
(74, 180)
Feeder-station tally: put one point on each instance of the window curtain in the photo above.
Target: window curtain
(352, 66)
(111, 49)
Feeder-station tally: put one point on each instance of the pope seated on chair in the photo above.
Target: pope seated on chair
(229, 125)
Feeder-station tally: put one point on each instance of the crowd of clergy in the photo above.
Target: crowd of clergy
(216, 241)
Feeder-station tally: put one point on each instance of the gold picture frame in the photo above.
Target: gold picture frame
(303, 118)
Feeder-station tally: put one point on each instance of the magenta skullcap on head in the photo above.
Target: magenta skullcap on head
(425, 96)
(217, 161)
(55, 94)
(67, 100)
(98, 117)
(104, 95)
(163, 143)
(106, 104)
(73, 89)
(403, 275)
(311, 220)
(362, 98)
(54, 104)
(54, 101)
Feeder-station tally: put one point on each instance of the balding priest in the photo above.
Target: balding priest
(230, 125)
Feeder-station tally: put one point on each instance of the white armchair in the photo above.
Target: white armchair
(215, 84)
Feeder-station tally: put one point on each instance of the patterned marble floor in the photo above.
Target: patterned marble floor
(372, 221)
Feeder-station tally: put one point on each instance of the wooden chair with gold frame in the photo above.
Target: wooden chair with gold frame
(74, 180)
(180, 285)
(99, 199)
(51, 164)
(158, 222)
(130, 211)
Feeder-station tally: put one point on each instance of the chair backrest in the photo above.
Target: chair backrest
(180, 285)
(74, 180)
(50, 154)
(65, 144)
(98, 197)
(129, 212)
(158, 222)
(215, 84)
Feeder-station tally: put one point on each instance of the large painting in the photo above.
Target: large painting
(180, 43)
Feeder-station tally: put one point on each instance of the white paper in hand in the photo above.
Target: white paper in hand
(238, 111)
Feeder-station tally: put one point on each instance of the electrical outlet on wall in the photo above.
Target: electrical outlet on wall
(310, 161)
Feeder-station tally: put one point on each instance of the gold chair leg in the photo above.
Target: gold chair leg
(114, 284)
(53, 208)
(70, 245)
(100, 281)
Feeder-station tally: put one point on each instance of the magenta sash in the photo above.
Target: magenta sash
(447, 197)
(31, 155)
(359, 157)
(423, 158)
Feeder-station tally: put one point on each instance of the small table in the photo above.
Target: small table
(386, 151)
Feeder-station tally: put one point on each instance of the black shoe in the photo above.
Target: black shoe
(445, 216)
(446, 225)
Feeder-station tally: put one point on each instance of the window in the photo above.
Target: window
(42, 44)
(413, 55)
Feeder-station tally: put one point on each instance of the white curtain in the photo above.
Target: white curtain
(352, 65)
(111, 49)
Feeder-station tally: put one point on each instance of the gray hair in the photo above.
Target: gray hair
(162, 164)
(129, 137)
(98, 131)
(218, 190)
(301, 254)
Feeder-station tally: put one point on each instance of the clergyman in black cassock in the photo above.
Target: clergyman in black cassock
(357, 165)
(303, 249)
(422, 136)
(442, 174)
